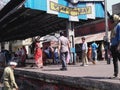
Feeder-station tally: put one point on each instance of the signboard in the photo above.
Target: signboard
(69, 10)
(85, 9)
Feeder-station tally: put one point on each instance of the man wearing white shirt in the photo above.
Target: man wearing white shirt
(84, 52)
(64, 47)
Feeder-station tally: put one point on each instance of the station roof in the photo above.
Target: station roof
(18, 22)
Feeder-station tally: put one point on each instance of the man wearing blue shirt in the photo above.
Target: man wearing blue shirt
(94, 52)
(115, 43)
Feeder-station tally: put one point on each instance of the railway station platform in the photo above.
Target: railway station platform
(91, 77)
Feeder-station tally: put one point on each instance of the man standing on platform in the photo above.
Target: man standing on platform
(8, 77)
(84, 52)
(115, 43)
(64, 47)
(94, 52)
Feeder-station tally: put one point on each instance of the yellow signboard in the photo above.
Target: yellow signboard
(71, 11)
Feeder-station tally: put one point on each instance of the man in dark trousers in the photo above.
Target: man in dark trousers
(115, 44)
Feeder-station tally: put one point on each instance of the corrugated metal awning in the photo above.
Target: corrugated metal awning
(92, 37)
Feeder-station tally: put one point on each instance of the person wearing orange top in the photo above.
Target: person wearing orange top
(89, 53)
(38, 55)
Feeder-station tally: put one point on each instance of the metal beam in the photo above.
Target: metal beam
(77, 1)
(91, 0)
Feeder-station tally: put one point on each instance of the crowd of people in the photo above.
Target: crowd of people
(113, 48)
(89, 53)
(19, 56)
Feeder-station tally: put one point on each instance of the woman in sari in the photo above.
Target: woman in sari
(38, 56)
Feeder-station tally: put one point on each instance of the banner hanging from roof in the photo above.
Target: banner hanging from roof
(65, 9)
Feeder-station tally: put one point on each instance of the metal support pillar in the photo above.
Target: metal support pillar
(2, 45)
(10, 46)
(106, 32)
(70, 33)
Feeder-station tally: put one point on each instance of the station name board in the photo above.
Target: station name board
(71, 11)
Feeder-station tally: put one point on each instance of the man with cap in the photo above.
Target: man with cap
(8, 77)
(115, 43)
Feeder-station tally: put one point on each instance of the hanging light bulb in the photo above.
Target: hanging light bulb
(73, 1)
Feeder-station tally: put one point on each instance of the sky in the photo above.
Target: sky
(110, 3)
